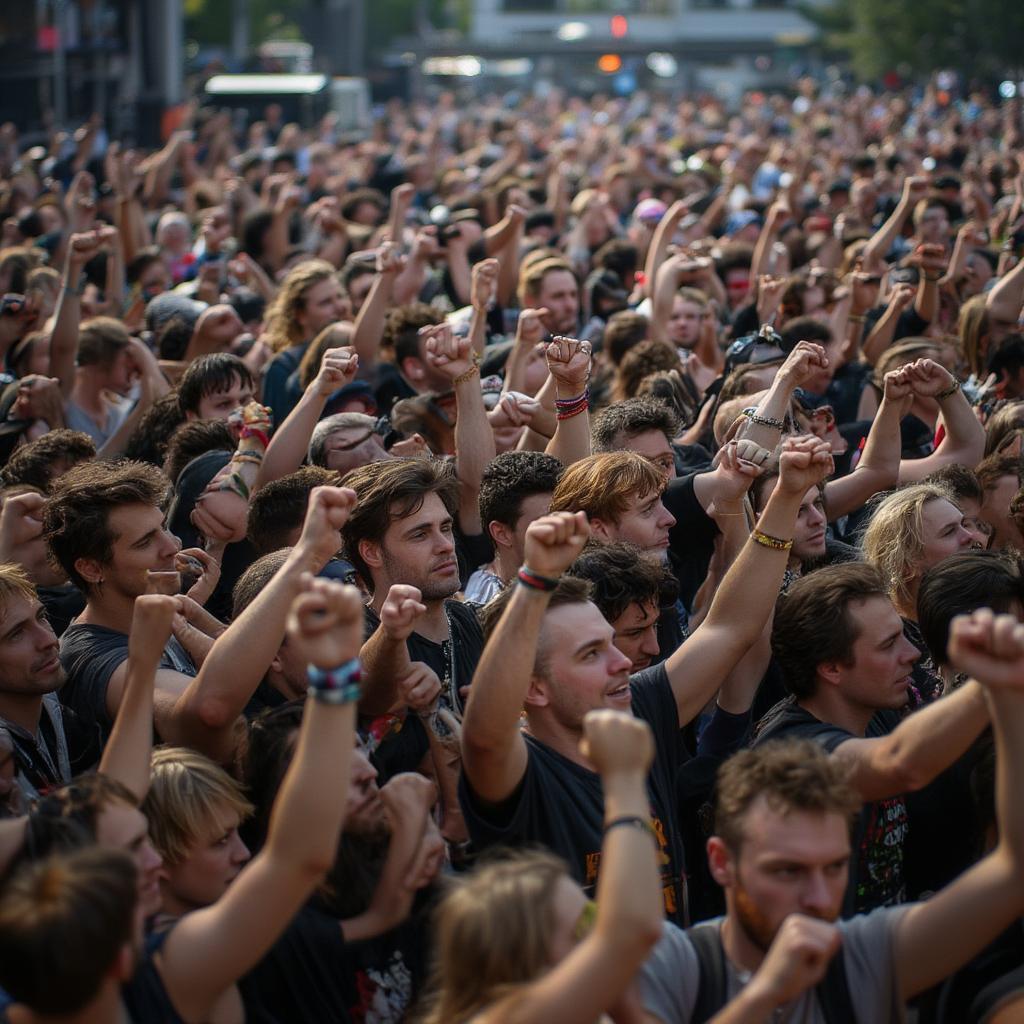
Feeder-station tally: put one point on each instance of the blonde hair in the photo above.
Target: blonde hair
(493, 931)
(973, 329)
(14, 581)
(532, 274)
(186, 791)
(894, 539)
(283, 330)
(604, 485)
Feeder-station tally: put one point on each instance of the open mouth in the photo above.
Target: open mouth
(621, 694)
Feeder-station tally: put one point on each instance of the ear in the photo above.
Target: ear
(602, 531)
(537, 695)
(720, 862)
(501, 534)
(370, 553)
(89, 569)
(124, 964)
(830, 672)
(190, 416)
(276, 664)
(412, 369)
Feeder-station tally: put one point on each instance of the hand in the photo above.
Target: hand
(865, 291)
(325, 624)
(389, 259)
(514, 409)
(915, 188)
(327, 512)
(80, 203)
(448, 353)
(419, 688)
(39, 398)
(569, 363)
(797, 959)
(400, 611)
(167, 584)
(897, 390)
(928, 378)
(930, 259)
(901, 296)
(339, 367)
(81, 248)
(617, 743)
(735, 472)
(21, 524)
(427, 863)
(201, 564)
(152, 620)
(803, 462)
(288, 199)
(554, 541)
(483, 282)
(532, 327)
(989, 648)
(424, 246)
(402, 195)
(769, 295)
(802, 363)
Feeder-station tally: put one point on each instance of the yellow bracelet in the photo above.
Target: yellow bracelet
(467, 375)
(766, 540)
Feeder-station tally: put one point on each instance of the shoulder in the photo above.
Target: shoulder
(670, 975)
(788, 718)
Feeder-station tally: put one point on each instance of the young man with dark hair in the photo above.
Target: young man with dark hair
(555, 657)
(515, 490)
(839, 644)
(781, 851)
(278, 510)
(629, 591)
(642, 425)
(41, 461)
(214, 386)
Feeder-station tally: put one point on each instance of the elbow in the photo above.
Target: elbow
(902, 774)
(212, 713)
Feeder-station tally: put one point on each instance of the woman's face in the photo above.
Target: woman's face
(570, 912)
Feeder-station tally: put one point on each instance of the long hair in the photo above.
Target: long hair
(283, 330)
(493, 933)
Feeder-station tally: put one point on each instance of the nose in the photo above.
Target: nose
(666, 521)
(151, 858)
(618, 662)
(816, 517)
(172, 542)
(816, 898)
(964, 537)
(240, 852)
(910, 652)
(650, 645)
(444, 543)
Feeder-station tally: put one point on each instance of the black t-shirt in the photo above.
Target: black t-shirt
(876, 874)
(62, 603)
(561, 804)
(145, 997)
(691, 540)
(90, 656)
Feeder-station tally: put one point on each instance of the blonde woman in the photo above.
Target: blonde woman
(519, 943)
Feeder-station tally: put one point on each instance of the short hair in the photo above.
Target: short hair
(813, 623)
(186, 790)
(894, 538)
(643, 359)
(570, 590)
(100, 340)
(195, 438)
(531, 277)
(329, 425)
(605, 485)
(1008, 353)
(277, 509)
(391, 490)
(623, 332)
(14, 582)
(961, 482)
(210, 375)
(76, 517)
(510, 478)
(805, 328)
(63, 923)
(961, 584)
(254, 580)
(1007, 418)
(33, 463)
(629, 418)
(619, 255)
(791, 775)
(402, 328)
(620, 576)
(148, 441)
(994, 467)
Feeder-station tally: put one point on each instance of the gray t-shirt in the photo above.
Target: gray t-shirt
(670, 976)
(76, 418)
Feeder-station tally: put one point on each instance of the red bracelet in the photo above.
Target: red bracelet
(257, 433)
(535, 581)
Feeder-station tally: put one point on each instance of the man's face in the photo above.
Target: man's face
(583, 669)
(882, 657)
(654, 446)
(945, 532)
(365, 814)
(737, 286)
(645, 523)
(324, 303)
(211, 864)
(636, 634)
(809, 536)
(142, 544)
(531, 509)
(123, 827)
(352, 447)
(560, 294)
(934, 226)
(120, 374)
(789, 863)
(419, 550)
(685, 323)
(219, 405)
(995, 510)
(358, 288)
(29, 664)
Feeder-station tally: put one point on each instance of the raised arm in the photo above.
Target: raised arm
(748, 592)
(493, 749)
(660, 240)
(369, 325)
(290, 442)
(209, 949)
(914, 188)
(599, 970)
(937, 936)
(964, 442)
(569, 364)
(1005, 300)
(884, 332)
(208, 710)
(385, 654)
(127, 753)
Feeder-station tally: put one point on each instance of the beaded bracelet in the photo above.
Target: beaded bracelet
(534, 580)
(951, 390)
(339, 685)
(763, 421)
(467, 374)
(766, 540)
(566, 408)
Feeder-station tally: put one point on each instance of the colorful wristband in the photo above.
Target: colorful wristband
(339, 685)
(534, 580)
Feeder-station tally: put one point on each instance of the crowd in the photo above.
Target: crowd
(548, 561)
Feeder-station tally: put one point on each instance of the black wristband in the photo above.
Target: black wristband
(631, 821)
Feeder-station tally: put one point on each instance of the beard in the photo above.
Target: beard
(432, 588)
(755, 924)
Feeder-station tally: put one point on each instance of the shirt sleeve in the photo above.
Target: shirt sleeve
(870, 964)
(669, 977)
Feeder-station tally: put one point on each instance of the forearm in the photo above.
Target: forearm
(965, 436)
(369, 325)
(751, 1005)
(775, 406)
(290, 442)
(458, 269)
(127, 754)
(1006, 711)
(571, 441)
(114, 287)
(276, 239)
(64, 340)
(661, 304)
(1004, 302)
(385, 660)
(761, 262)
(881, 241)
(115, 444)
(877, 470)
(926, 301)
(656, 252)
(881, 336)
(409, 282)
(474, 449)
